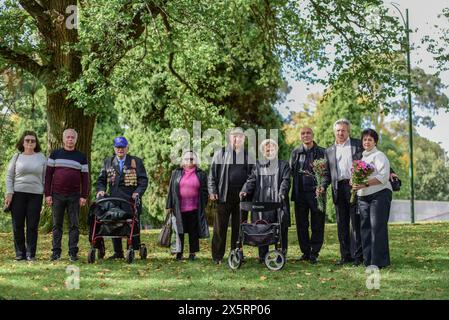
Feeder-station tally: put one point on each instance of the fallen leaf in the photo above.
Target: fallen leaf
(263, 278)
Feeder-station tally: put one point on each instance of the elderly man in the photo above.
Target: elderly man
(340, 157)
(126, 177)
(270, 182)
(66, 188)
(304, 196)
(229, 170)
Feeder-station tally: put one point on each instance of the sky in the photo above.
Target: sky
(423, 17)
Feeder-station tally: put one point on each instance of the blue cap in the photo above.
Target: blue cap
(120, 142)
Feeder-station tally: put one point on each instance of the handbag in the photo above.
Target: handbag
(8, 208)
(396, 184)
(164, 238)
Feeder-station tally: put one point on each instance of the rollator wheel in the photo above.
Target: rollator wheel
(234, 259)
(91, 256)
(274, 260)
(129, 255)
(143, 252)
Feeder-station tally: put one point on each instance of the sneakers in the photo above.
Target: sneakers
(19, 258)
(313, 260)
(192, 257)
(55, 257)
(217, 261)
(304, 258)
(73, 258)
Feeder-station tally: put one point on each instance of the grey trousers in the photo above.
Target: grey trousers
(374, 215)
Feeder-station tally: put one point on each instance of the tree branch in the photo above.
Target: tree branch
(38, 13)
(22, 61)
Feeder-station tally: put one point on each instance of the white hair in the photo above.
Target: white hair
(267, 141)
(342, 121)
(72, 130)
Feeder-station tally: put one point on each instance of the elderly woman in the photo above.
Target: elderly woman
(270, 182)
(187, 199)
(374, 203)
(24, 193)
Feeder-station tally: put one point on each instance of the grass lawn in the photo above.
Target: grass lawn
(419, 254)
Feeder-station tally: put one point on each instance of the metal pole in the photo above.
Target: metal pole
(410, 122)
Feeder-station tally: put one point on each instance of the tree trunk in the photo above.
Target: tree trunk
(61, 111)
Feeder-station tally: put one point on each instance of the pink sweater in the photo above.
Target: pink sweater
(189, 189)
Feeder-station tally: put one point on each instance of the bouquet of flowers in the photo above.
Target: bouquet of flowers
(319, 167)
(360, 172)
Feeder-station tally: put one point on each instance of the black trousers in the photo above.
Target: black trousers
(25, 209)
(307, 206)
(190, 224)
(61, 203)
(224, 211)
(348, 224)
(374, 214)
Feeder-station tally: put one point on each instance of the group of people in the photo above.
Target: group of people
(234, 176)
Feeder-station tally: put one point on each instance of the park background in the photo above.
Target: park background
(142, 68)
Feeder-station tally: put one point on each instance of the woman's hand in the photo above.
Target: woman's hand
(8, 200)
(357, 187)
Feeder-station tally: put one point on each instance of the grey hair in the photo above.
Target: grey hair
(342, 121)
(70, 129)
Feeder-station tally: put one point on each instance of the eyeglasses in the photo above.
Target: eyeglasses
(30, 140)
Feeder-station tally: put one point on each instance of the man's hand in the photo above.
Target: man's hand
(242, 194)
(8, 199)
(393, 175)
(100, 194)
(135, 195)
(319, 191)
(213, 197)
(49, 200)
(82, 202)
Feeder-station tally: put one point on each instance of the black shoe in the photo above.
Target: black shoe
(217, 261)
(313, 260)
(19, 258)
(357, 262)
(192, 257)
(55, 257)
(73, 258)
(116, 256)
(179, 256)
(304, 258)
(343, 261)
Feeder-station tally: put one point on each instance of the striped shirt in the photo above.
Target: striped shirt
(67, 173)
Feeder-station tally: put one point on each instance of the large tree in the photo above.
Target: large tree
(75, 64)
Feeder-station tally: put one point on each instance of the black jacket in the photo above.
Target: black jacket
(219, 174)
(253, 185)
(297, 160)
(174, 200)
(132, 179)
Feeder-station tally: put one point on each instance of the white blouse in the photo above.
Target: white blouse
(381, 171)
